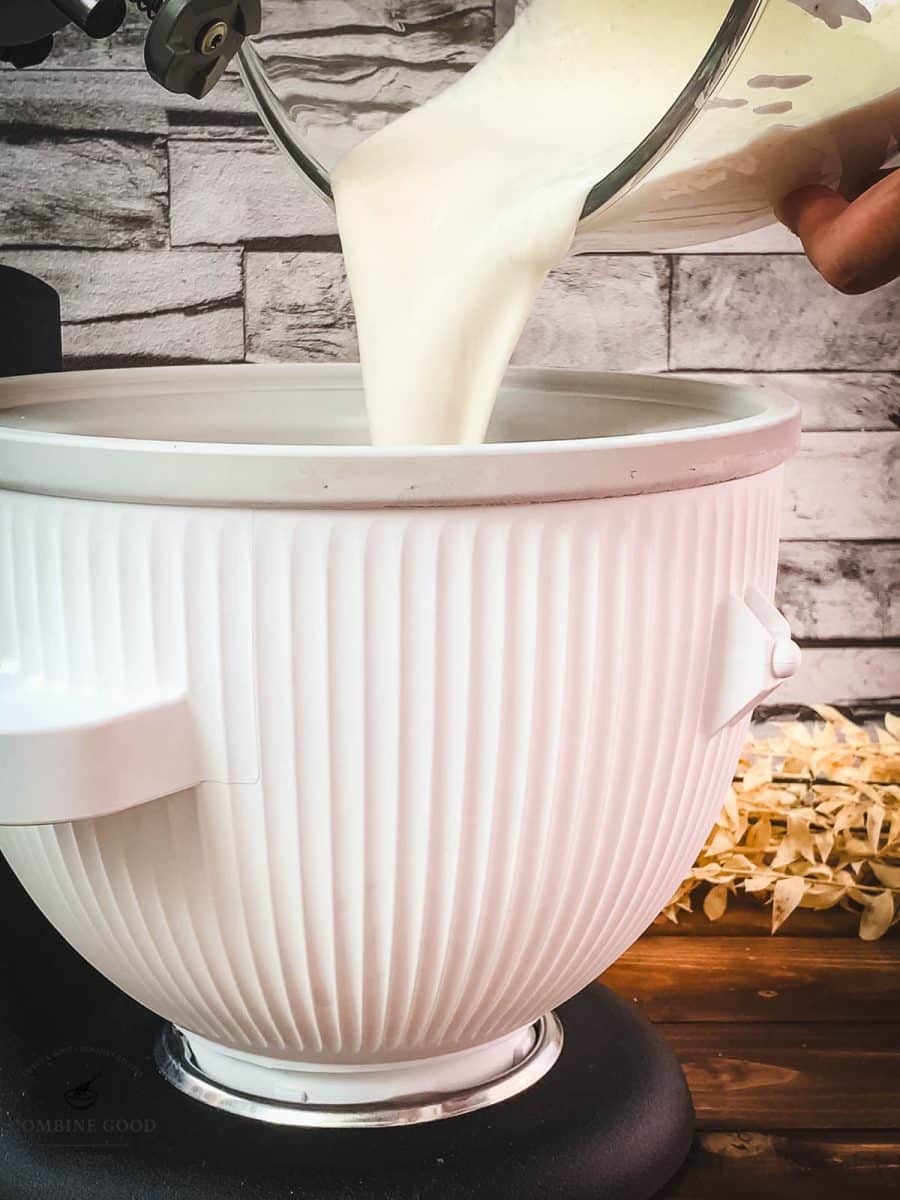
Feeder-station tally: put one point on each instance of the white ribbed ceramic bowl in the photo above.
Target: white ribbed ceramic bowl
(354, 763)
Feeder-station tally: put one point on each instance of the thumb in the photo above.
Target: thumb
(856, 247)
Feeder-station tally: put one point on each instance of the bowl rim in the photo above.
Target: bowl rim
(759, 430)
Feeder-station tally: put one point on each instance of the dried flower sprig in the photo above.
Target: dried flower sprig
(811, 821)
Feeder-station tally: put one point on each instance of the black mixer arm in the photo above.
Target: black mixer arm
(189, 43)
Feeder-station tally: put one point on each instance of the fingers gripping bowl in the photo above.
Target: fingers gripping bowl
(354, 763)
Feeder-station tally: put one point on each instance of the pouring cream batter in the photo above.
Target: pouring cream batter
(452, 217)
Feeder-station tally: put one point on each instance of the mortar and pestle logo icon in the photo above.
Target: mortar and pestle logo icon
(84, 1095)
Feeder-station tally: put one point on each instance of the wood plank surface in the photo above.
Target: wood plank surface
(802, 1166)
(791, 1076)
(747, 919)
(779, 979)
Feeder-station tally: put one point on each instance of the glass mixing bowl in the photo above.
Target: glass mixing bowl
(777, 94)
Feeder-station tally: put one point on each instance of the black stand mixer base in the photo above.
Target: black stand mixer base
(86, 1114)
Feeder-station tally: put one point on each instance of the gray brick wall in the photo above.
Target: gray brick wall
(175, 232)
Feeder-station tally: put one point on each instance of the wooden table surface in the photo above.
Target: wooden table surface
(791, 1047)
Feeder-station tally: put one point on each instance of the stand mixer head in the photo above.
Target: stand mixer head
(189, 42)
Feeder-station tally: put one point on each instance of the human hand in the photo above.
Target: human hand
(855, 246)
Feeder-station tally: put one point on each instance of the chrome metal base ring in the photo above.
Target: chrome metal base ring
(177, 1065)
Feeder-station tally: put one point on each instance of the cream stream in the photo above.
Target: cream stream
(452, 216)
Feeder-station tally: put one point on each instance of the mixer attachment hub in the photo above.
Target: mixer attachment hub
(191, 42)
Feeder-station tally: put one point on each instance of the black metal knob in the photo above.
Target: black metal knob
(191, 42)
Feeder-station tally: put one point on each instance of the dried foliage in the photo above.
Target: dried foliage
(811, 821)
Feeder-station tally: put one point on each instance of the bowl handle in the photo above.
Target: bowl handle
(753, 654)
(70, 754)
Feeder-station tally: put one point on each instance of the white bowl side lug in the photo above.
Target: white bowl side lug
(754, 655)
